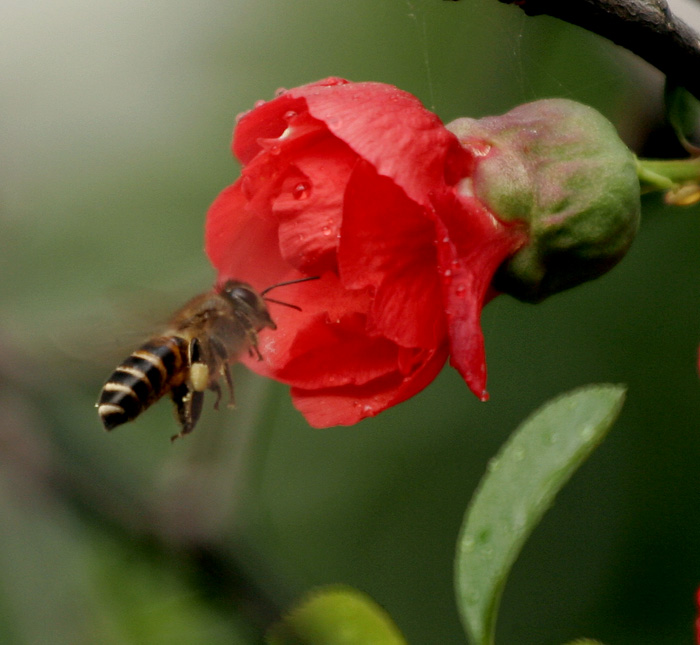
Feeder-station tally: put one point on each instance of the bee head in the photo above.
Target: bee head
(246, 301)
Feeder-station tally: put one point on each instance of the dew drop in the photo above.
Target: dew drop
(460, 290)
(446, 239)
(473, 597)
(551, 437)
(274, 149)
(494, 465)
(326, 230)
(259, 103)
(468, 544)
(518, 522)
(289, 115)
(280, 90)
(486, 552)
(302, 190)
(519, 453)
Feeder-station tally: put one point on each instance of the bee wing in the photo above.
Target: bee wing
(111, 329)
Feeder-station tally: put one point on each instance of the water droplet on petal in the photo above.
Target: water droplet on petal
(326, 230)
(271, 146)
(289, 115)
(302, 190)
(460, 291)
(280, 90)
(259, 103)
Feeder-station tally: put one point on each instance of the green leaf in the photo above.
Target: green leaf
(336, 616)
(683, 112)
(520, 485)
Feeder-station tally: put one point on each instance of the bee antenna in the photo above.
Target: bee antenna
(286, 304)
(284, 284)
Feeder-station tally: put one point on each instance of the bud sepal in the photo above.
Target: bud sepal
(560, 167)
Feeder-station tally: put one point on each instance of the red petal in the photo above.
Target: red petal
(329, 354)
(265, 121)
(388, 243)
(300, 179)
(471, 246)
(389, 128)
(697, 620)
(242, 245)
(324, 303)
(309, 205)
(349, 404)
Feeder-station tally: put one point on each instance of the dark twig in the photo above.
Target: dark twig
(645, 27)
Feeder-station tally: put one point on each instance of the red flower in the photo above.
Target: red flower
(358, 183)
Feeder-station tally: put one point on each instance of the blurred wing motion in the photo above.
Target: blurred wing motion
(190, 357)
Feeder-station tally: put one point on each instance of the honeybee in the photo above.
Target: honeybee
(190, 356)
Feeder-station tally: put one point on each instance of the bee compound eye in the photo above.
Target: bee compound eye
(240, 293)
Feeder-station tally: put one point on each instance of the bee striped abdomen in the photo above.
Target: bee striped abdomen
(149, 373)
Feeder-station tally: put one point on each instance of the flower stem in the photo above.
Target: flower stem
(664, 174)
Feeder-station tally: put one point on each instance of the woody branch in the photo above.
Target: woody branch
(645, 27)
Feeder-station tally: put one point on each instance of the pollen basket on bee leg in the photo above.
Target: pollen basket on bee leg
(199, 376)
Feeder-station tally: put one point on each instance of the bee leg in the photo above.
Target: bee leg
(188, 407)
(253, 340)
(216, 388)
(225, 371)
(198, 377)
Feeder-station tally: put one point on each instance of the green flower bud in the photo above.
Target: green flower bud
(560, 167)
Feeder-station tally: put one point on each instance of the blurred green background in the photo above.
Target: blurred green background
(115, 127)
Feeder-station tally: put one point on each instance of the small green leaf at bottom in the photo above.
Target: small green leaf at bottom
(520, 485)
(336, 615)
